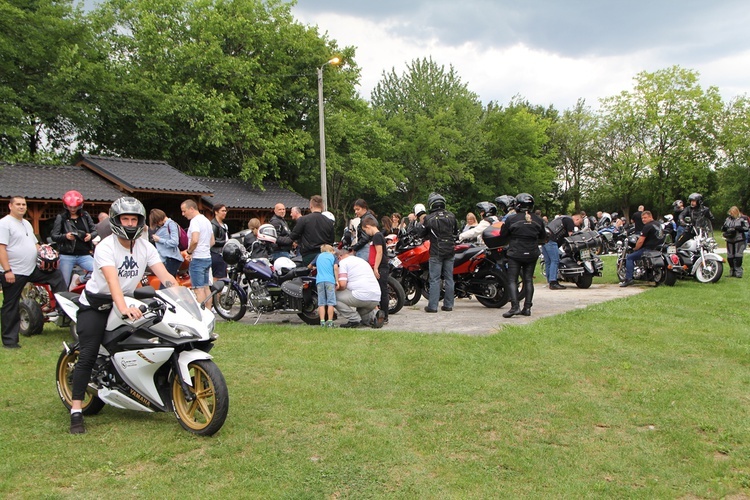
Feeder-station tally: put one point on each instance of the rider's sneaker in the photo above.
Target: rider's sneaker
(76, 423)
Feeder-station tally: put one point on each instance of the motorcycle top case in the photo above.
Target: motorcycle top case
(582, 240)
(491, 236)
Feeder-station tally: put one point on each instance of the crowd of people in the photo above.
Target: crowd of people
(351, 274)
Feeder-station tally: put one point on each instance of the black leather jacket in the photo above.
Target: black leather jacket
(63, 225)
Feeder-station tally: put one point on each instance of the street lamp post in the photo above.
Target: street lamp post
(321, 122)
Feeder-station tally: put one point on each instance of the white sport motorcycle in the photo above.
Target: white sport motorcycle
(159, 362)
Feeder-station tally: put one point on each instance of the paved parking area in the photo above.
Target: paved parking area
(472, 318)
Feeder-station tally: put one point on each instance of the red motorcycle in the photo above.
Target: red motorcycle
(38, 306)
(476, 272)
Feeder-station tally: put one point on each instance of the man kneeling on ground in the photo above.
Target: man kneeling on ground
(358, 292)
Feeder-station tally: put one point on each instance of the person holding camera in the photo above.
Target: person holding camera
(73, 231)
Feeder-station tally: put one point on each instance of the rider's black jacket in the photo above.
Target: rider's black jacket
(64, 225)
(695, 213)
(312, 231)
(283, 239)
(442, 228)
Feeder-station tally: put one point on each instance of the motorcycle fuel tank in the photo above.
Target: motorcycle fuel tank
(257, 268)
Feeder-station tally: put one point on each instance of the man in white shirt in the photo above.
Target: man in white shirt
(18, 256)
(358, 292)
(201, 238)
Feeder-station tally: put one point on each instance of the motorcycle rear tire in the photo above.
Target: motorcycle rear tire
(500, 296)
(64, 378)
(585, 280)
(229, 305)
(671, 278)
(31, 318)
(396, 295)
(206, 413)
(310, 313)
(710, 271)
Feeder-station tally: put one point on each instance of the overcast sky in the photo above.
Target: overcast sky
(548, 51)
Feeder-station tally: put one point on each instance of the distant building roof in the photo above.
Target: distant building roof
(238, 194)
(143, 175)
(48, 182)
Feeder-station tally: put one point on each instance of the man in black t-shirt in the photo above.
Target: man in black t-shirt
(637, 219)
(651, 237)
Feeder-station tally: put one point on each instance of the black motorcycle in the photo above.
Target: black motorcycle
(579, 262)
(652, 266)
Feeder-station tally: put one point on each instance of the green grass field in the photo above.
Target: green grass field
(643, 397)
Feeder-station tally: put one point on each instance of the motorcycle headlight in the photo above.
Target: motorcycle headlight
(185, 331)
(212, 324)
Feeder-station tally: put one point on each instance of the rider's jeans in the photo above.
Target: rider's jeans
(68, 262)
(551, 252)
(630, 263)
(441, 267)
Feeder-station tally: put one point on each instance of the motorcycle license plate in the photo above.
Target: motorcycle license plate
(585, 254)
(671, 249)
(395, 262)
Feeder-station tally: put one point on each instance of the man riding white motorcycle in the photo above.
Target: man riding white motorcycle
(119, 264)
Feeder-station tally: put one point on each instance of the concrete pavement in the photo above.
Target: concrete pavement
(469, 317)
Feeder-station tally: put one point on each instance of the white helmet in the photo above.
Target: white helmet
(419, 209)
(329, 215)
(266, 232)
(282, 265)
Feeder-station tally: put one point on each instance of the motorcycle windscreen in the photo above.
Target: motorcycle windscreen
(182, 296)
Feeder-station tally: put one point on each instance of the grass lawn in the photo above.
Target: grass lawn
(644, 397)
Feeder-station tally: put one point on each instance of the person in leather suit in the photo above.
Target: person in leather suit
(692, 214)
(442, 228)
(525, 231)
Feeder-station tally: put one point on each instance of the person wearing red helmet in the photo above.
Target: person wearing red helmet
(73, 231)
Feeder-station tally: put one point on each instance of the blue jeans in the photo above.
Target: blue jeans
(364, 253)
(551, 253)
(630, 263)
(67, 262)
(441, 267)
(199, 272)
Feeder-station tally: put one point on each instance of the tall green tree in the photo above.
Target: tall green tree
(734, 138)
(575, 137)
(674, 125)
(434, 121)
(48, 65)
(219, 87)
(516, 154)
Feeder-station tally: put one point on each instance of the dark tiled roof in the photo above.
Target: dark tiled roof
(46, 182)
(144, 175)
(235, 193)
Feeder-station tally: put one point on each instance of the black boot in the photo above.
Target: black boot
(526, 311)
(512, 311)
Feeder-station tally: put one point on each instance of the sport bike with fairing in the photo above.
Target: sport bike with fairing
(158, 363)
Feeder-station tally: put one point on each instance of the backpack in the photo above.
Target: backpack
(182, 240)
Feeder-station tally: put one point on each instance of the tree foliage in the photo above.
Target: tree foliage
(434, 121)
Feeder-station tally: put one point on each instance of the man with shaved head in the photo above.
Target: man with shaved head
(283, 240)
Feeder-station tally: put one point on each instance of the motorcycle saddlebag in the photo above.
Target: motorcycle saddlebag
(294, 291)
(582, 240)
(654, 258)
(491, 236)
